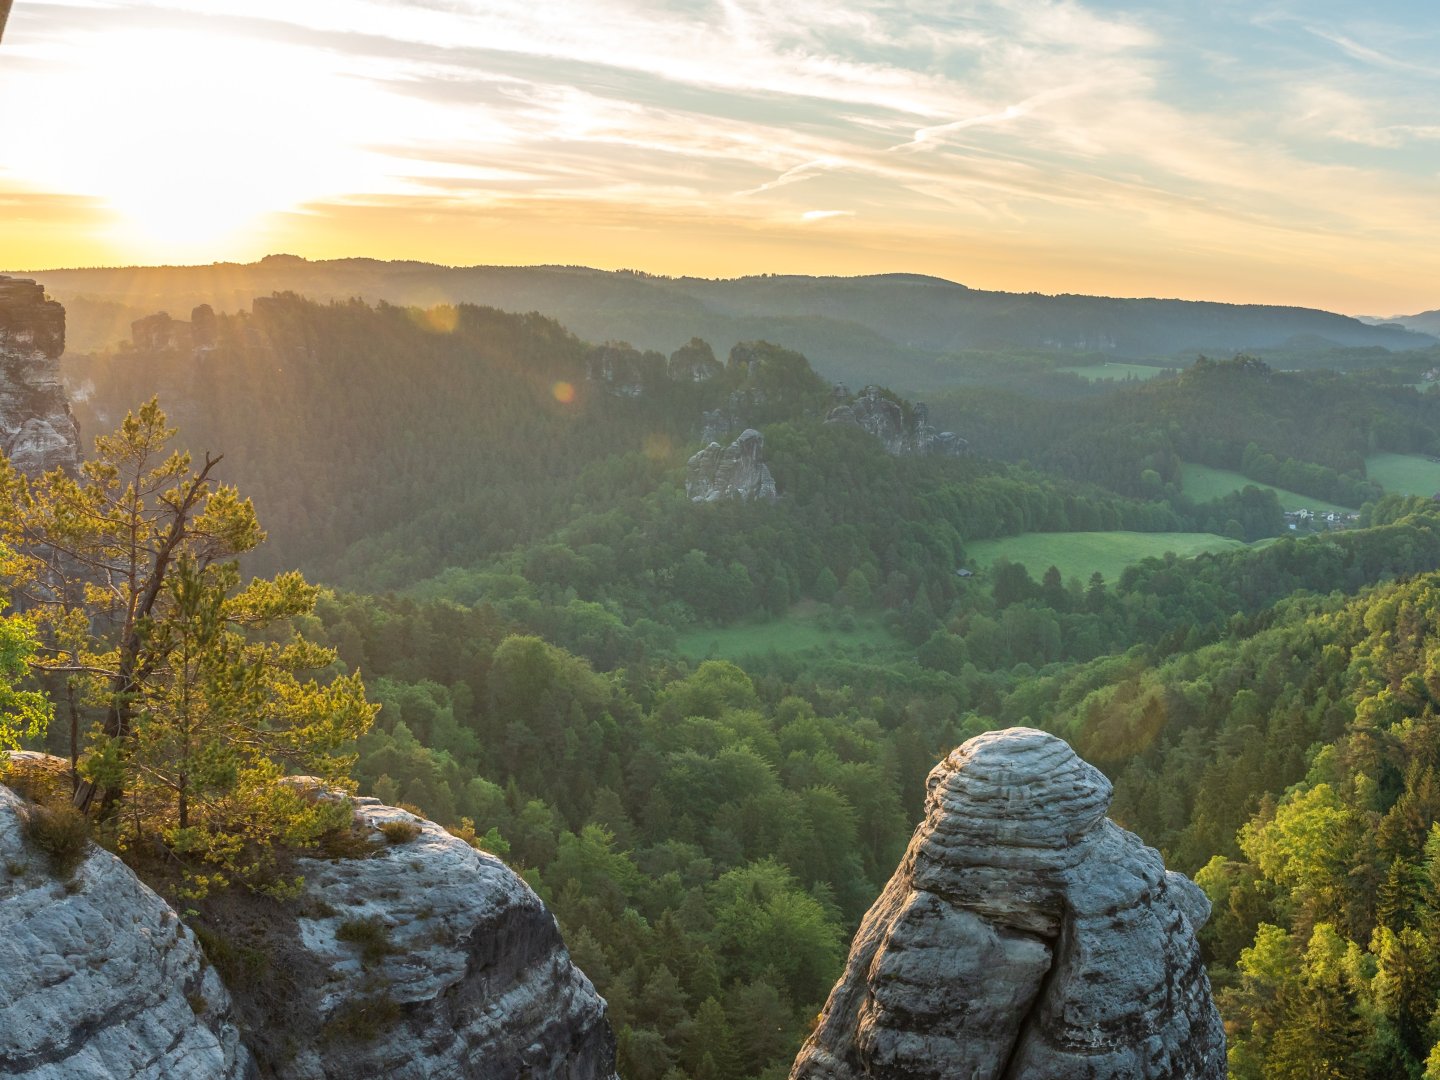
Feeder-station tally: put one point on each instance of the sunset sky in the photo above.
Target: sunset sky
(1277, 152)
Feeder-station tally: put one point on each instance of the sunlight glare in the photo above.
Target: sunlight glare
(192, 138)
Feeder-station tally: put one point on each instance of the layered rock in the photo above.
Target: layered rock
(1024, 935)
(37, 431)
(737, 471)
(415, 956)
(466, 973)
(99, 977)
(900, 430)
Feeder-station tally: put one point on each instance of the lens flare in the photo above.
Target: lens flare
(564, 392)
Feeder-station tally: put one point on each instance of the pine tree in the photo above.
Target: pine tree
(200, 685)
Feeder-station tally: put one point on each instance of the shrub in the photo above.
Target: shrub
(61, 834)
(399, 831)
(37, 778)
(237, 964)
(349, 842)
(363, 1019)
(371, 935)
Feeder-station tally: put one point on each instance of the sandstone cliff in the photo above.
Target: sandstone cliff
(900, 429)
(737, 471)
(1025, 935)
(414, 956)
(37, 431)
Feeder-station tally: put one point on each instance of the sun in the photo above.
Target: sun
(189, 138)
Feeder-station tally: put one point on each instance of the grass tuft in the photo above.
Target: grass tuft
(61, 834)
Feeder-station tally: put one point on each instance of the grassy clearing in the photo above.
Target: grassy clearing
(1202, 483)
(803, 628)
(1097, 372)
(1080, 554)
(1404, 474)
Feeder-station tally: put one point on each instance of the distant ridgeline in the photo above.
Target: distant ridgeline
(890, 328)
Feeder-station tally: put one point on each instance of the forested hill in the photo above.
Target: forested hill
(894, 328)
(1304, 431)
(384, 444)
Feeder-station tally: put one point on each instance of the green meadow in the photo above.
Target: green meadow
(1080, 554)
(1404, 474)
(1203, 483)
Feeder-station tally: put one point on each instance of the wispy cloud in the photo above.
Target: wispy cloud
(1059, 126)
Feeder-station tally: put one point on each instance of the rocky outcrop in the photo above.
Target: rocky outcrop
(424, 959)
(737, 471)
(37, 431)
(408, 955)
(98, 975)
(900, 429)
(1024, 935)
(622, 370)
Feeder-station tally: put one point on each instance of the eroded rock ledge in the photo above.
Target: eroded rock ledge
(411, 957)
(1025, 935)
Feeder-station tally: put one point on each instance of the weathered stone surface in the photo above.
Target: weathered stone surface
(464, 975)
(899, 430)
(737, 471)
(1024, 935)
(471, 978)
(99, 978)
(37, 431)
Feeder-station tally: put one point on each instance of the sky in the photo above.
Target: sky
(1271, 152)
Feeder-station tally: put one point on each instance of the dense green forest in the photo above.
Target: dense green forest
(498, 509)
(1309, 432)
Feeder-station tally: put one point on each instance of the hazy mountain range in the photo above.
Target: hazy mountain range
(899, 327)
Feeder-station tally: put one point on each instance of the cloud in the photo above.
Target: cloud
(1029, 121)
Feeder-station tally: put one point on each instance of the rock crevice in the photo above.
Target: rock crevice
(1024, 935)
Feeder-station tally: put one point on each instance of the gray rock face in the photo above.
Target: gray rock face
(422, 959)
(37, 431)
(887, 420)
(1024, 935)
(99, 978)
(467, 975)
(737, 471)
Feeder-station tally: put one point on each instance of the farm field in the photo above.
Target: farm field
(1080, 554)
(1404, 474)
(1203, 483)
(1097, 372)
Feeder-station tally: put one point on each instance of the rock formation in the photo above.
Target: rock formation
(622, 370)
(899, 430)
(414, 956)
(99, 977)
(466, 976)
(1025, 935)
(736, 471)
(37, 431)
